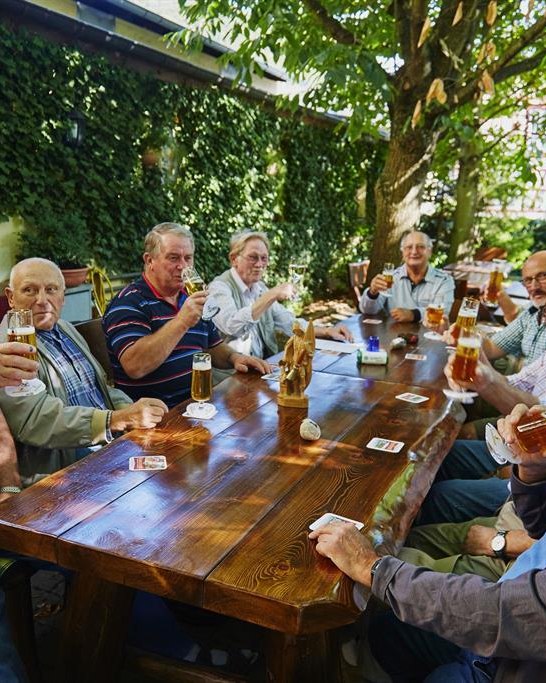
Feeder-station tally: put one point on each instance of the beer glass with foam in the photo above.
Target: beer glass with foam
(20, 328)
(296, 272)
(466, 356)
(467, 316)
(201, 384)
(388, 274)
(193, 282)
(494, 287)
(434, 315)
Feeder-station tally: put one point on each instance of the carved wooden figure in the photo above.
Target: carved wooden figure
(296, 367)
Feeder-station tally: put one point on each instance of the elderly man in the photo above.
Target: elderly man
(77, 410)
(153, 327)
(250, 313)
(503, 622)
(416, 284)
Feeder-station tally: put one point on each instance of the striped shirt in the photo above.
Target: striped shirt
(532, 378)
(137, 311)
(524, 337)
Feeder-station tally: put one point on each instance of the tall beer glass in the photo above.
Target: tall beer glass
(388, 274)
(466, 356)
(434, 315)
(296, 272)
(193, 282)
(20, 328)
(530, 433)
(201, 385)
(494, 287)
(467, 316)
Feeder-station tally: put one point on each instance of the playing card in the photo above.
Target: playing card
(328, 517)
(496, 446)
(372, 321)
(379, 444)
(415, 356)
(275, 375)
(412, 398)
(148, 462)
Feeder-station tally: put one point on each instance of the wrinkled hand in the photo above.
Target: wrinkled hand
(337, 333)
(402, 315)
(14, 367)
(485, 375)
(532, 466)
(448, 337)
(243, 363)
(283, 292)
(378, 284)
(348, 549)
(144, 414)
(478, 540)
(192, 308)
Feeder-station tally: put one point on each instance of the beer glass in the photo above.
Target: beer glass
(434, 315)
(388, 274)
(530, 433)
(467, 316)
(466, 356)
(201, 386)
(193, 282)
(296, 272)
(494, 287)
(20, 328)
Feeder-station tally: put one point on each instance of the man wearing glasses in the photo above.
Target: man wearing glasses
(416, 284)
(251, 314)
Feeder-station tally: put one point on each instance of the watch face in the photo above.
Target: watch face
(498, 543)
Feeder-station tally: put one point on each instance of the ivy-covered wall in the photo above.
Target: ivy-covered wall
(226, 165)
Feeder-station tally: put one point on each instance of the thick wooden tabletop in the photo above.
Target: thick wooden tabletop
(225, 526)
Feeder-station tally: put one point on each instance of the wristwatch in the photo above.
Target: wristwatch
(498, 543)
(375, 566)
(10, 489)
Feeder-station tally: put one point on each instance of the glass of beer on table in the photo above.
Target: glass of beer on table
(494, 287)
(201, 386)
(466, 317)
(388, 274)
(20, 328)
(193, 282)
(434, 315)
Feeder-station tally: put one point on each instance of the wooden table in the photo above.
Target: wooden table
(225, 526)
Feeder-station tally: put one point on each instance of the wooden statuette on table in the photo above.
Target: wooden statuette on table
(296, 367)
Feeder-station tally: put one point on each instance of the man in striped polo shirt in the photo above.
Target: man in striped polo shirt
(153, 328)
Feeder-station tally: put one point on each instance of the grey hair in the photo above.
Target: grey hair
(239, 239)
(428, 240)
(38, 261)
(153, 240)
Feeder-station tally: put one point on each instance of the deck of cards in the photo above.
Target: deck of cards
(328, 517)
(378, 444)
(148, 462)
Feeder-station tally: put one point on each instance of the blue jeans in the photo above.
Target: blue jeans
(469, 668)
(459, 493)
(11, 668)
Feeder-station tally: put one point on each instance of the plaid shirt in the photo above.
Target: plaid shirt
(74, 370)
(524, 337)
(532, 378)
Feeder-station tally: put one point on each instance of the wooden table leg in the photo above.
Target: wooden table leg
(95, 625)
(313, 658)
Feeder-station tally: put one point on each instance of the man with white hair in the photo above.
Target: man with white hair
(77, 410)
(416, 284)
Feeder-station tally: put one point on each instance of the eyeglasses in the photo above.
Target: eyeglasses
(418, 247)
(539, 277)
(256, 258)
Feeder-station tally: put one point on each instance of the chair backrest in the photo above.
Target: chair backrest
(357, 277)
(91, 331)
(490, 253)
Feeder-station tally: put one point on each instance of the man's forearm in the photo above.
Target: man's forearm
(503, 396)
(222, 356)
(9, 469)
(491, 350)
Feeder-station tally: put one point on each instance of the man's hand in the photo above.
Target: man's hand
(243, 363)
(402, 315)
(485, 375)
(478, 540)
(337, 333)
(348, 549)
(532, 466)
(282, 292)
(378, 284)
(144, 414)
(192, 309)
(14, 367)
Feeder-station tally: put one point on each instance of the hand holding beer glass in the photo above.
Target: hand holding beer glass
(20, 328)
(388, 276)
(494, 288)
(296, 272)
(464, 365)
(201, 387)
(193, 282)
(434, 317)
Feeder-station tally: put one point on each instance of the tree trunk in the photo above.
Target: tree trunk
(467, 197)
(399, 188)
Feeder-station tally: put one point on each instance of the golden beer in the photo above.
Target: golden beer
(434, 315)
(24, 335)
(531, 433)
(467, 317)
(494, 287)
(466, 358)
(194, 285)
(388, 279)
(201, 377)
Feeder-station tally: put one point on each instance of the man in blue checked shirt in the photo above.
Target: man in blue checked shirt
(77, 410)
(153, 328)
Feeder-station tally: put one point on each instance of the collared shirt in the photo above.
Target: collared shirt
(532, 378)
(524, 337)
(436, 287)
(239, 323)
(77, 374)
(137, 311)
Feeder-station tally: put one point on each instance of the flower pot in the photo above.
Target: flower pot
(75, 276)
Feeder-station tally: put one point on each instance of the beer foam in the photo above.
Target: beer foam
(202, 365)
(471, 343)
(21, 331)
(468, 312)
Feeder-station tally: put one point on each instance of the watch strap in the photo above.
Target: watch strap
(375, 566)
(10, 489)
(500, 553)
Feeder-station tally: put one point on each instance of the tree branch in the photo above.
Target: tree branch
(520, 67)
(331, 26)
(526, 38)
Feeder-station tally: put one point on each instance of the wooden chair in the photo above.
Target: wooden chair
(91, 331)
(357, 278)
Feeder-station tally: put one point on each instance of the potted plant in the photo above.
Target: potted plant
(61, 238)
